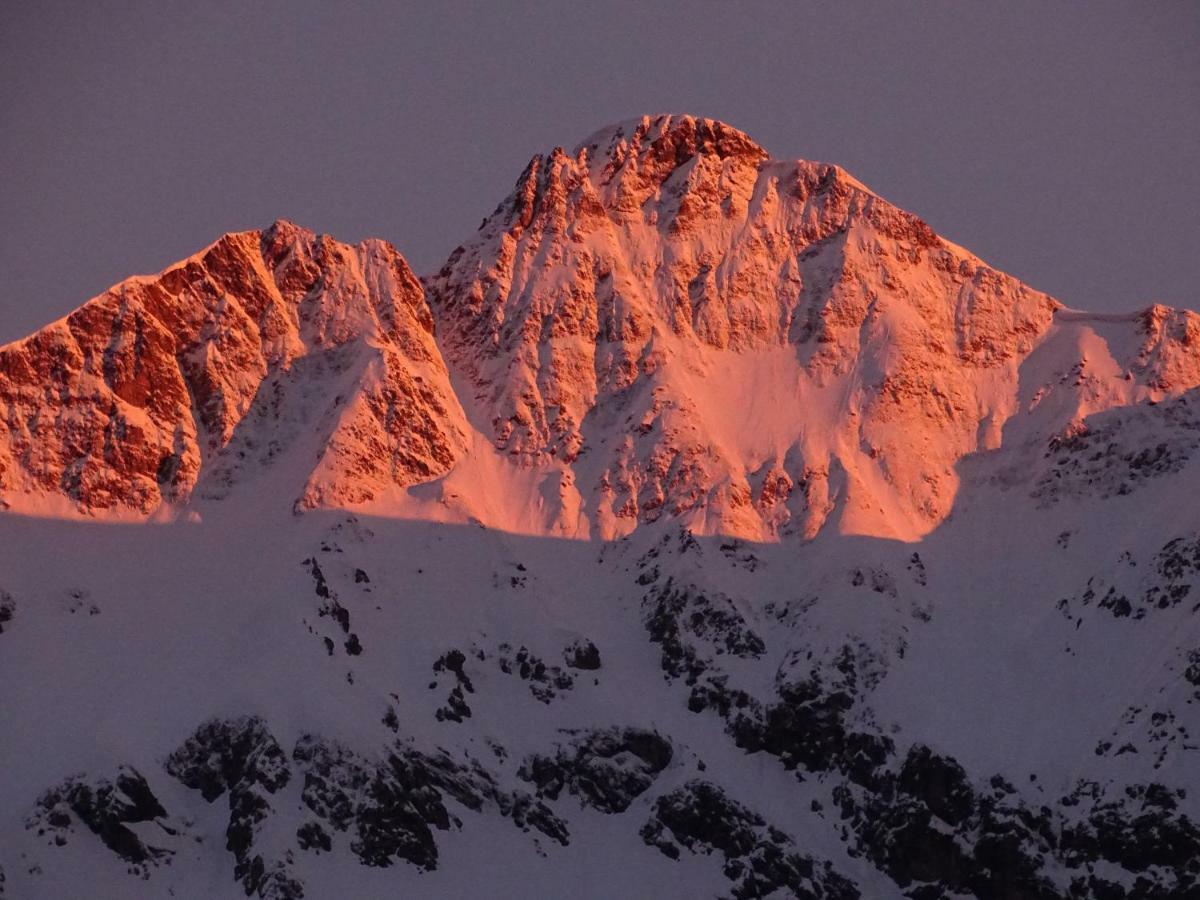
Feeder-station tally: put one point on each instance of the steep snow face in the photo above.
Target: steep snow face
(261, 344)
(753, 345)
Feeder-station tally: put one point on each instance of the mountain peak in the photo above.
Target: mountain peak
(266, 346)
(285, 231)
(669, 137)
(782, 345)
(666, 323)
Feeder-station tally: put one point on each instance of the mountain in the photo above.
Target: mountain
(705, 526)
(165, 387)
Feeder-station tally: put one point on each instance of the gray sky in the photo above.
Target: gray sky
(1059, 141)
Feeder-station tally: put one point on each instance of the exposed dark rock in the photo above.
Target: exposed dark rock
(8, 609)
(760, 860)
(454, 661)
(1107, 459)
(242, 758)
(393, 806)
(582, 654)
(1159, 732)
(79, 600)
(545, 681)
(934, 834)
(921, 820)
(107, 808)
(606, 769)
(390, 808)
(735, 551)
(996, 853)
(320, 585)
(1141, 831)
(1126, 593)
(330, 605)
(690, 626)
(916, 568)
(225, 754)
(1192, 673)
(455, 708)
(338, 613)
(1178, 568)
(527, 813)
(311, 836)
(939, 782)
(809, 723)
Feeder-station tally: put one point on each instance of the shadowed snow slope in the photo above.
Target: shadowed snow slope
(706, 526)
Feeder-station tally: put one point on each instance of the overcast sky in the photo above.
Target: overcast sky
(1059, 141)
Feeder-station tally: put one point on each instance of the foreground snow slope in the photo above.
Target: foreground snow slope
(796, 678)
(733, 535)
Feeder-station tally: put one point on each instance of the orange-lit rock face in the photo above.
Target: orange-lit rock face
(664, 322)
(1169, 352)
(126, 400)
(667, 244)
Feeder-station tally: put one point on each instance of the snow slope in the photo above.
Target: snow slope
(705, 527)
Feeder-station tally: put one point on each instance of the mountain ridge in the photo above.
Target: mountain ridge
(706, 526)
(608, 290)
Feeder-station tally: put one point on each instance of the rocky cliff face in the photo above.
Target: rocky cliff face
(223, 362)
(663, 322)
(777, 341)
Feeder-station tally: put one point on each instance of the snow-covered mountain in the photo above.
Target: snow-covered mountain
(265, 343)
(706, 526)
